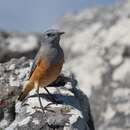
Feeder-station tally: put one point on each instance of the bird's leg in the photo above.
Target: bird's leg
(43, 108)
(37, 90)
(50, 94)
(53, 99)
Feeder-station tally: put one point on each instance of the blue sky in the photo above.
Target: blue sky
(38, 15)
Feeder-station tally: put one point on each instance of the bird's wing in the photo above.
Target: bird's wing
(34, 65)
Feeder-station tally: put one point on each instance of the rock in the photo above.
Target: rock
(15, 45)
(97, 49)
(71, 114)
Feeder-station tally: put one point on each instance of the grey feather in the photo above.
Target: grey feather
(50, 49)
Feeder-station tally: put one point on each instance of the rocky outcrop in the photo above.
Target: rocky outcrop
(70, 113)
(16, 44)
(97, 50)
(97, 45)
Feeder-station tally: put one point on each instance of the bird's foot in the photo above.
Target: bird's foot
(46, 108)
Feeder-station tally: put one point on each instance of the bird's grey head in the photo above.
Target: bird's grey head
(53, 36)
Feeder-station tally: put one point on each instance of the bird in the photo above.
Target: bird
(47, 64)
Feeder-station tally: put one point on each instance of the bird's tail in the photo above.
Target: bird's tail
(28, 86)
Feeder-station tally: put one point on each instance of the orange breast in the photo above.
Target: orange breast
(45, 74)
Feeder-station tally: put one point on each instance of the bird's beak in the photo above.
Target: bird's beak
(61, 33)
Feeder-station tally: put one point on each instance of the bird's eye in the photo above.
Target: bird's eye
(50, 34)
